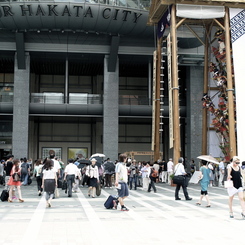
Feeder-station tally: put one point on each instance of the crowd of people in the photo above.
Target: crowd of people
(123, 174)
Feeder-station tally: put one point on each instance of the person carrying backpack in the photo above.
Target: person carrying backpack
(25, 171)
(153, 176)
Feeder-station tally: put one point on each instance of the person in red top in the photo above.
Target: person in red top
(15, 169)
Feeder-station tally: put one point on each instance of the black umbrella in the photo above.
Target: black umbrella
(83, 163)
(109, 166)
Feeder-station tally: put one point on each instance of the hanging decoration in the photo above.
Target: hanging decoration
(220, 120)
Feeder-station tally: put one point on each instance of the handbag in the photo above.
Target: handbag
(16, 177)
(228, 184)
(64, 185)
(179, 179)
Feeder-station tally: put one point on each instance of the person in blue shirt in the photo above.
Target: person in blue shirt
(204, 182)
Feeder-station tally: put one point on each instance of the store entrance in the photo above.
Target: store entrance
(4, 153)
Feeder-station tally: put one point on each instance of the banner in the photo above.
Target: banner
(199, 11)
(164, 22)
(237, 22)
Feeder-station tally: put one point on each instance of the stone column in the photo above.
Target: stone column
(110, 119)
(21, 109)
(194, 83)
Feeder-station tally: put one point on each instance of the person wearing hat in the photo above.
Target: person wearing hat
(92, 172)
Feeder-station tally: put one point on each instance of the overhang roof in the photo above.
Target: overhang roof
(159, 7)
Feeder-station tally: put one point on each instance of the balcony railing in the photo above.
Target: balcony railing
(83, 98)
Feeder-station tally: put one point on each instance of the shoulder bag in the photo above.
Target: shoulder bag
(178, 179)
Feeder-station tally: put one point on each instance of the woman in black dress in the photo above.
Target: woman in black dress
(234, 174)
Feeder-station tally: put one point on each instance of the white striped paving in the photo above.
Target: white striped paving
(94, 220)
(193, 223)
(102, 228)
(35, 222)
(222, 213)
(146, 229)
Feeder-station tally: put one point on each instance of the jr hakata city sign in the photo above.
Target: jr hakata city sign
(74, 10)
(31, 16)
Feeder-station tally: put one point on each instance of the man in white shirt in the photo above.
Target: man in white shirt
(70, 172)
(170, 169)
(57, 166)
(180, 170)
(221, 172)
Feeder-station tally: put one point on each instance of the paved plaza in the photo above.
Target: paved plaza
(154, 218)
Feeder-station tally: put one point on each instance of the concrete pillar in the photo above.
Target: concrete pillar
(21, 109)
(110, 119)
(194, 83)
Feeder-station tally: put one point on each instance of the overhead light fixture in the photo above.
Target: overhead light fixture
(38, 31)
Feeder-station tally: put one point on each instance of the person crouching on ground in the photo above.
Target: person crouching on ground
(49, 181)
(121, 180)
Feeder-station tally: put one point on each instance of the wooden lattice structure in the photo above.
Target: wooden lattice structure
(157, 10)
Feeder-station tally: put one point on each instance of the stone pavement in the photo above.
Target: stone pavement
(154, 218)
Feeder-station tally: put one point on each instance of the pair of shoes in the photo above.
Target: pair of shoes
(148, 191)
(177, 198)
(124, 209)
(21, 200)
(93, 196)
(198, 204)
(208, 206)
(9, 200)
(188, 199)
(40, 193)
(89, 195)
(231, 215)
(243, 215)
(69, 195)
(155, 191)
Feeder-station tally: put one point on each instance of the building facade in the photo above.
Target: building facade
(77, 77)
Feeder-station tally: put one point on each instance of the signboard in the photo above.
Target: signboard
(170, 94)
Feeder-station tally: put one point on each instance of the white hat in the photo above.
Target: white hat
(93, 160)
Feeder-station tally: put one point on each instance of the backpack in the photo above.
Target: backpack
(24, 168)
(154, 173)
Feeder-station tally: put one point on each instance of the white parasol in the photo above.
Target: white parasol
(97, 155)
(208, 158)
